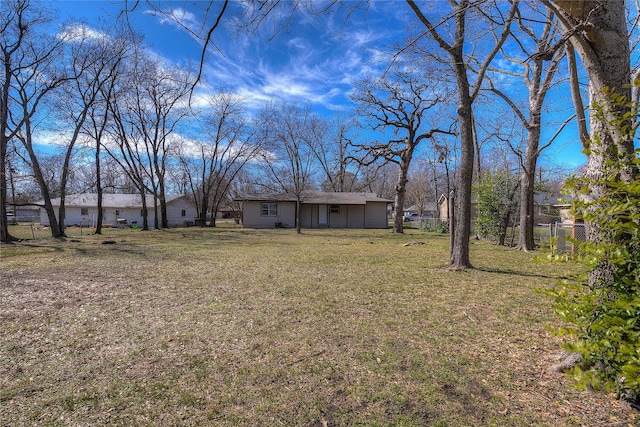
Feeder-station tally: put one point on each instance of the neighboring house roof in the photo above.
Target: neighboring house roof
(108, 200)
(428, 206)
(318, 197)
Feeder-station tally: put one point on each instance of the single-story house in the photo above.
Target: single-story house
(23, 214)
(317, 210)
(429, 210)
(120, 209)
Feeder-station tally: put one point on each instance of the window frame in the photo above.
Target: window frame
(269, 209)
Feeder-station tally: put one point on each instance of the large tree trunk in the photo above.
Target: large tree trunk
(400, 193)
(460, 250)
(526, 240)
(99, 190)
(298, 224)
(603, 46)
(5, 237)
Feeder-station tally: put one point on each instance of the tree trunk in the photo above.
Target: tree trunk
(56, 231)
(401, 190)
(5, 237)
(460, 251)
(98, 190)
(526, 241)
(603, 47)
(298, 225)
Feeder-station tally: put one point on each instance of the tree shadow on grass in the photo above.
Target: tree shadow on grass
(512, 272)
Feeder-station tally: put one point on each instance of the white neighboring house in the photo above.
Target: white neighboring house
(120, 209)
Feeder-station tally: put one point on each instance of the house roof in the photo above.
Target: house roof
(318, 197)
(108, 200)
(428, 206)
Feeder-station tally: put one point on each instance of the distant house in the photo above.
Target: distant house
(429, 210)
(317, 210)
(444, 208)
(120, 209)
(546, 211)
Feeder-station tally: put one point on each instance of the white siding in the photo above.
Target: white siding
(174, 212)
(131, 212)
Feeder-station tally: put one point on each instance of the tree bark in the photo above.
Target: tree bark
(603, 46)
(401, 191)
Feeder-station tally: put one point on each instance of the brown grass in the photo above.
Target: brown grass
(234, 327)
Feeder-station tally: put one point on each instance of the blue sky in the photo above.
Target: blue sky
(313, 60)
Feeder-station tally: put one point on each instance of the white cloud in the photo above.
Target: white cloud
(78, 32)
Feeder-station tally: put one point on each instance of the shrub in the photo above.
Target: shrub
(602, 308)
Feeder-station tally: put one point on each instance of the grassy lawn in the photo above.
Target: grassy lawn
(231, 326)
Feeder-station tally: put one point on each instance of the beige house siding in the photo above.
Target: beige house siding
(354, 210)
(252, 217)
(308, 216)
(376, 215)
(340, 219)
(357, 216)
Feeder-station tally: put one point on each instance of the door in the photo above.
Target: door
(322, 215)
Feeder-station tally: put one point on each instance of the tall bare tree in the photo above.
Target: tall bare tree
(34, 80)
(27, 56)
(335, 155)
(541, 50)
(211, 165)
(117, 46)
(469, 71)
(149, 103)
(398, 104)
(291, 134)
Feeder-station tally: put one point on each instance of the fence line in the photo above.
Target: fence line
(565, 234)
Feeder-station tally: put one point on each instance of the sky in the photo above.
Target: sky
(311, 61)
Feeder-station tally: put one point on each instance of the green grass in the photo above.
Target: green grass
(230, 327)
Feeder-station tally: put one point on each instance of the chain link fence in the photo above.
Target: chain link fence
(565, 235)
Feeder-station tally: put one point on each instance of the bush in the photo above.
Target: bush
(436, 226)
(602, 308)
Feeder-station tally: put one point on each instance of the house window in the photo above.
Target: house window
(184, 212)
(269, 209)
(117, 212)
(141, 212)
(335, 209)
(84, 211)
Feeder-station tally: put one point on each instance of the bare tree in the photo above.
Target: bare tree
(116, 46)
(541, 53)
(420, 191)
(335, 155)
(465, 68)
(40, 72)
(160, 104)
(399, 104)
(27, 56)
(291, 134)
(211, 165)
(149, 103)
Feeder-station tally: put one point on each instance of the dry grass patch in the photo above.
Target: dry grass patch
(245, 327)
